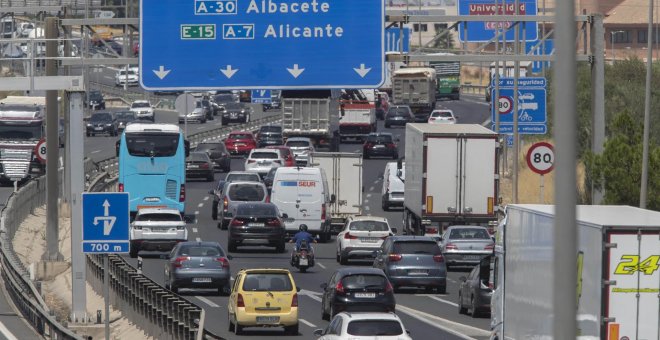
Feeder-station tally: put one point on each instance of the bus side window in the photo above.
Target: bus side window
(187, 146)
(117, 147)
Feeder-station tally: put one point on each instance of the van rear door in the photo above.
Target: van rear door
(311, 202)
(284, 195)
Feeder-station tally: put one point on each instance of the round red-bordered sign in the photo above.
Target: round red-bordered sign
(41, 150)
(504, 105)
(541, 158)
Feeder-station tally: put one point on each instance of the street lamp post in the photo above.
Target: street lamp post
(612, 35)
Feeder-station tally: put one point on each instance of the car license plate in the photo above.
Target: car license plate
(193, 166)
(239, 144)
(369, 239)
(255, 224)
(201, 279)
(158, 229)
(98, 128)
(303, 262)
(288, 220)
(268, 319)
(418, 272)
(472, 257)
(365, 295)
(379, 146)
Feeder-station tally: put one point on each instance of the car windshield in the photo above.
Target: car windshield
(417, 247)
(379, 139)
(468, 234)
(94, 95)
(233, 106)
(223, 98)
(297, 143)
(368, 226)
(256, 210)
(242, 177)
(202, 251)
(158, 217)
(267, 282)
(125, 116)
(240, 136)
(124, 73)
(140, 104)
(101, 117)
(152, 144)
(374, 328)
(442, 114)
(246, 192)
(198, 157)
(270, 128)
(355, 281)
(265, 155)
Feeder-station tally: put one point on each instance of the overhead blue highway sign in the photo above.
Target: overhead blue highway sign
(537, 48)
(261, 44)
(393, 41)
(532, 113)
(105, 222)
(481, 31)
(261, 97)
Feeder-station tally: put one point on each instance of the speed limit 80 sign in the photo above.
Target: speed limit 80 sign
(541, 158)
(41, 150)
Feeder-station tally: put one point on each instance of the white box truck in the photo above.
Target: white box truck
(344, 173)
(618, 276)
(451, 176)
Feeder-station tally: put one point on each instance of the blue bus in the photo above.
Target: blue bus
(152, 166)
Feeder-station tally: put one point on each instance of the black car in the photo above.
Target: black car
(269, 178)
(356, 289)
(222, 99)
(269, 135)
(102, 123)
(399, 115)
(199, 164)
(257, 222)
(475, 292)
(236, 113)
(95, 100)
(380, 144)
(218, 154)
(124, 118)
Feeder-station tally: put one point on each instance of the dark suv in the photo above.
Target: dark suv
(96, 100)
(257, 222)
(218, 153)
(269, 135)
(399, 115)
(102, 123)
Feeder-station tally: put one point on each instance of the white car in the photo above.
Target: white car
(442, 117)
(157, 229)
(128, 77)
(301, 147)
(361, 236)
(262, 160)
(143, 110)
(364, 326)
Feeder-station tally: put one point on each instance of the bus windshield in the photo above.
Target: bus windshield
(152, 144)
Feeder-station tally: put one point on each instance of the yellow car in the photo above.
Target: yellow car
(263, 298)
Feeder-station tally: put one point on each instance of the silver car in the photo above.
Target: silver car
(465, 245)
(301, 147)
(197, 115)
(198, 265)
(234, 194)
(413, 261)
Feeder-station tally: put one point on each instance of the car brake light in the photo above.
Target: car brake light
(323, 211)
(368, 145)
(268, 199)
(120, 187)
(182, 193)
(348, 236)
(239, 300)
(236, 223)
(339, 289)
(225, 204)
(388, 287)
(391, 146)
(250, 161)
(395, 257)
(204, 166)
(178, 262)
(438, 258)
(431, 230)
(451, 246)
(294, 301)
(223, 261)
(489, 247)
(273, 222)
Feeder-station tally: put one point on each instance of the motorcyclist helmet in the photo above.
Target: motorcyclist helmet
(303, 227)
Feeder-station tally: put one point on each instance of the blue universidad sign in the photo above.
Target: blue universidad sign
(481, 31)
(261, 97)
(532, 113)
(105, 222)
(261, 44)
(393, 42)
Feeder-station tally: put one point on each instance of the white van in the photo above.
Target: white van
(302, 194)
(393, 188)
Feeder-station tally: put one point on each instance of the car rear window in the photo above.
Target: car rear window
(265, 155)
(400, 111)
(271, 129)
(374, 327)
(197, 250)
(417, 247)
(246, 192)
(240, 136)
(368, 226)
(267, 282)
(256, 210)
(198, 157)
(101, 117)
(158, 217)
(468, 234)
(297, 144)
(379, 139)
(363, 280)
(242, 177)
(444, 114)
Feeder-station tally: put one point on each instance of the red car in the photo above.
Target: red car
(240, 143)
(286, 153)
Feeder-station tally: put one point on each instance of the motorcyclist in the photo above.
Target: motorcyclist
(299, 237)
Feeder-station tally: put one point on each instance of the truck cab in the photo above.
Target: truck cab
(22, 122)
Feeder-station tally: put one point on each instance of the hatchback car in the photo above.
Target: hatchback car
(466, 245)
(143, 110)
(199, 164)
(218, 154)
(442, 117)
(399, 115)
(124, 118)
(198, 265)
(475, 291)
(257, 224)
(263, 298)
(236, 113)
(270, 135)
(380, 144)
(102, 123)
(262, 160)
(361, 236)
(236, 193)
(233, 176)
(302, 148)
(286, 153)
(156, 229)
(364, 326)
(357, 289)
(240, 143)
(413, 261)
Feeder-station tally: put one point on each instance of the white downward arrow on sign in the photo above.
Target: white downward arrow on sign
(229, 72)
(161, 72)
(362, 71)
(295, 71)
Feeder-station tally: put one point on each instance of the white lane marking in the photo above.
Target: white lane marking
(307, 323)
(5, 331)
(96, 151)
(436, 298)
(368, 195)
(196, 212)
(198, 239)
(313, 295)
(321, 265)
(108, 77)
(458, 329)
(371, 189)
(452, 280)
(207, 301)
(200, 205)
(376, 181)
(194, 230)
(206, 198)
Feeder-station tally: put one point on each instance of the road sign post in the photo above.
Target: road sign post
(230, 44)
(540, 159)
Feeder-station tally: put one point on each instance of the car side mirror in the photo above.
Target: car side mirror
(381, 175)
(298, 289)
(117, 143)
(462, 278)
(408, 331)
(318, 332)
(229, 257)
(394, 230)
(285, 215)
(397, 139)
(324, 286)
(440, 238)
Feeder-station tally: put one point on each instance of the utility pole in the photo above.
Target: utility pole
(597, 94)
(516, 76)
(647, 110)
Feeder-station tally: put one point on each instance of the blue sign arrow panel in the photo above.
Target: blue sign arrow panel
(261, 44)
(105, 222)
(393, 41)
(481, 31)
(540, 48)
(261, 97)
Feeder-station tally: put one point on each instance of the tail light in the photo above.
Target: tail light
(323, 211)
(390, 146)
(451, 246)
(388, 287)
(384, 237)
(204, 166)
(303, 253)
(268, 199)
(368, 145)
(182, 193)
(239, 300)
(250, 161)
(120, 187)
(395, 257)
(178, 262)
(339, 289)
(489, 247)
(431, 230)
(294, 301)
(223, 261)
(236, 223)
(438, 258)
(225, 204)
(348, 236)
(273, 222)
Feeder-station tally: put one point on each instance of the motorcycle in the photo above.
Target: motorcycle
(303, 257)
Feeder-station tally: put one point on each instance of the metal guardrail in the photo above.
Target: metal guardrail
(474, 89)
(129, 95)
